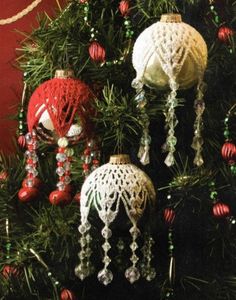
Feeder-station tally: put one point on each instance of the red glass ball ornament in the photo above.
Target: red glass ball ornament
(97, 52)
(224, 34)
(67, 295)
(10, 271)
(221, 210)
(21, 141)
(27, 194)
(169, 216)
(77, 197)
(228, 152)
(36, 182)
(124, 7)
(60, 197)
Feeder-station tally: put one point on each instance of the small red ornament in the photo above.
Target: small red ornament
(21, 141)
(60, 197)
(77, 197)
(224, 34)
(228, 152)
(97, 52)
(124, 8)
(36, 182)
(169, 216)
(27, 194)
(67, 295)
(10, 271)
(221, 210)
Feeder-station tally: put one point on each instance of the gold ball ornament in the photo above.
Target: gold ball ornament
(169, 50)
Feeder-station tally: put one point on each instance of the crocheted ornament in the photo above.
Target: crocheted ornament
(56, 103)
(106, 189)
(52, 112)
(171, 54)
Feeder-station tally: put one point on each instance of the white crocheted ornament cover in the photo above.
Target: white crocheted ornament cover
(112, 184)
(106, 188)
(170, 49)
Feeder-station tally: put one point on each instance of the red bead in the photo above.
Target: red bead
(224, 34)
(27, 194)
(21, 141)
(37, 183)
(87, 151)
(228, 152)
(77, 197)
(10, 271)
(221, 210)
(86, 167)
(60, 163)
(61, 150)
(124, 7)
(67, 295)
(67, 173)
(60, 197)
(97, 52)
(169, 216)
(30, 161)
(96, 162)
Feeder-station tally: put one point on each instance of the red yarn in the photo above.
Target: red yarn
(63, 98)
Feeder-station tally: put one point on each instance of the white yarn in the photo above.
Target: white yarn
(109, 185)
(165, 49)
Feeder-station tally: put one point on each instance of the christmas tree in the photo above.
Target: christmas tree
(126, 132)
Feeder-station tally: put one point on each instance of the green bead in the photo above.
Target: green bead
(226, 133)
(171, 247)
(212, 7)
(20, 115)
(127, 22)
(233, 169)
(21, 126)
(226, 120)
(217, 19)
(8, 246)
(213, 195)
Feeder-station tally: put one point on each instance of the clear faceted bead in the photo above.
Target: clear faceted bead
(67, 179)
(83, 227)
(151, 274)
(61, 185)
(132, 274)
(106, 246)
(134, 231)
(133, 246)
(82, 271)
(106, 232)
(28, 138)
(29, 182)
(134, 258)
(106, 260)
(61, 157)
(105, 276)
(60, 171)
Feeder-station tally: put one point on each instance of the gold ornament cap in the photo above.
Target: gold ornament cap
(64, 74)
(119, 159)
(171, 18)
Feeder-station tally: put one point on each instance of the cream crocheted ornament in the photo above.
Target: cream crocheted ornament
(107, 188)
(170, 54)
(170, 50)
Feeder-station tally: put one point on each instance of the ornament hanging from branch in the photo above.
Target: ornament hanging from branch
(106, 189)
(170, 54)
(59, 111)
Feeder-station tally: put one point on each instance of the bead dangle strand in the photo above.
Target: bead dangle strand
(148, 272)
(132, 274)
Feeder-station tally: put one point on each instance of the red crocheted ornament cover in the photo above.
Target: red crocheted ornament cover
(63, 98)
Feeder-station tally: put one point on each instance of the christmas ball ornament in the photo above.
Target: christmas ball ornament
(225, 33)
(21, 141)
(56, 103)
(58, 197)
(97, 52)
(115, 184)
(9, 271)
(171, 54)
(124, 7)
(221, 210)
(67, 295)
(228, 152)
(27, 194)
(169, 216)
(54, 111)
